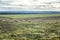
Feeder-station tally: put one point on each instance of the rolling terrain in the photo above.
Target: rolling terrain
(30, 28)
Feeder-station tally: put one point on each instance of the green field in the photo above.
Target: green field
(29, 15)
(30, 27)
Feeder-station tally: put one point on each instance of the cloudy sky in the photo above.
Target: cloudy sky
(28, 5)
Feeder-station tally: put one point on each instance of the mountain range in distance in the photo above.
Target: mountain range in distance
(29, 12)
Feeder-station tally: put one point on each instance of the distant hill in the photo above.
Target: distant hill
(30, 12)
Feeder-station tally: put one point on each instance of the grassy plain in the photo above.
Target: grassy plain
(28, 15)
(30, 27)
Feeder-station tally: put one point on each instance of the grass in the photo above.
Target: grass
(16, 29)
(29, 15)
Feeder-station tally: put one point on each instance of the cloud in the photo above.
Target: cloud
(26, 5)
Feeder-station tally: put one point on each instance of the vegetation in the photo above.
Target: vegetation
(28, 15)
(30, 28)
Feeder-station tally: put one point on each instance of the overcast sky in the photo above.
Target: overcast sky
(28, 5)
